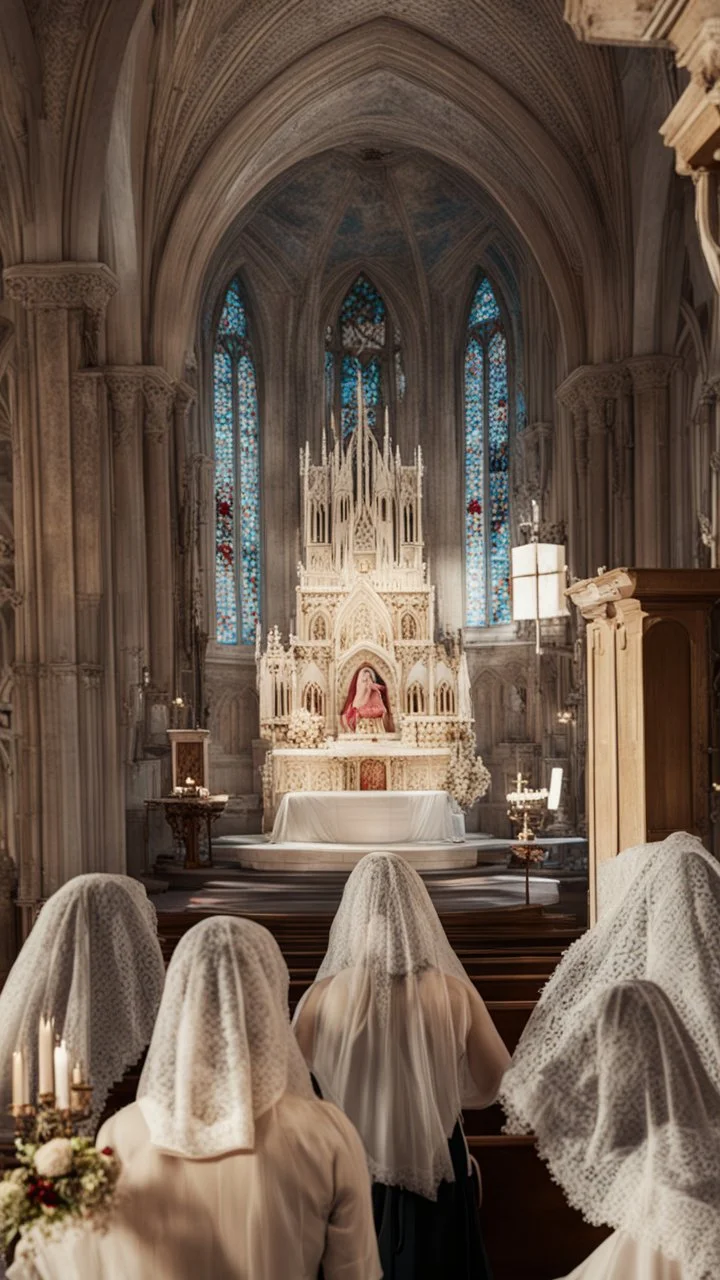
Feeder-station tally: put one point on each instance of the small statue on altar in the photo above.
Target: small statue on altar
(367, 706)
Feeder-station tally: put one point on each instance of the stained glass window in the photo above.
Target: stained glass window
(360, 344)
(487, 462)
(237, 476)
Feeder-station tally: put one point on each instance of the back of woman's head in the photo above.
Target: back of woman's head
(222, 1052)
(386, 919)
(92, 962)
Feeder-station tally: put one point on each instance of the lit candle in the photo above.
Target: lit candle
(20, 1081)
(189, 782)
(46, 1037)
(62, 1077)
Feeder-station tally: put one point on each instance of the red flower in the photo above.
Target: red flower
(474, 507)
(42, 1191)
(107, 1151)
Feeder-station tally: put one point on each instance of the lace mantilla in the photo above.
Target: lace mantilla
(659, 928)
(93, 962)
(222, 1052)
(388, 1047)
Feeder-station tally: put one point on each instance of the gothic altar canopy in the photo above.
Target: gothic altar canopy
(363, 697)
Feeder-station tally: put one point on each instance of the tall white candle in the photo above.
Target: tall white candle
(77, 1075)
(62, 1077)
(20, 1082)
(46, 1037)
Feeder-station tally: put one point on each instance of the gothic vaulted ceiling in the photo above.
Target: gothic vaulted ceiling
(157, 127)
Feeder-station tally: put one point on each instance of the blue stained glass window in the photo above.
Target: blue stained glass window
(360, 344)
(237, 476)
(487, 463)
(362, 317)
(371, 382)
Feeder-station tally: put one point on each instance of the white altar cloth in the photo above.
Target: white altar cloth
(375, 818)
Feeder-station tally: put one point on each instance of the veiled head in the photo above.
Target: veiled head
(222, 1052)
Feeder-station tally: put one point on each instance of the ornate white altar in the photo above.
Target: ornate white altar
(363, 601)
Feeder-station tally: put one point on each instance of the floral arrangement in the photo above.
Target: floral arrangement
(305, 728)
(60, 1180)
(467, 778)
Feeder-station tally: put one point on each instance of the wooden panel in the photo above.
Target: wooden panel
(629, 697)
(530, 1231)
(668, 729)
(602, 749)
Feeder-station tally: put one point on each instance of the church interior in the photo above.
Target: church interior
(359, 491)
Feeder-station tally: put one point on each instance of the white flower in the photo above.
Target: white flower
(54, 1158)
(11, 1197)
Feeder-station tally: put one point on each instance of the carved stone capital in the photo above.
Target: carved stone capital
(84, 391)
(124, 385)
(158, 394)
(185, 397)
(651, 373)
(607, 21)
(68, 285)
(591, 382)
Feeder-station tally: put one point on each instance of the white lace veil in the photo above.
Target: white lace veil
(628, 1121)
(388, 1047)
(664, 927)
(222, 1052)
(93, 961)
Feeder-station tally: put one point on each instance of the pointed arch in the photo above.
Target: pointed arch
(487, 461)
(236, 437)
(363, 342)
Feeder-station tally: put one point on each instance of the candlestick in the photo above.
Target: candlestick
(46, 1038)
(62, 1077)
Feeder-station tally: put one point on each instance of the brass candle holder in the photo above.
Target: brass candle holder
(41, 1122)
(526, 806)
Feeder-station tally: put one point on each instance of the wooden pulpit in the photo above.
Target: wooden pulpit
(652, 729)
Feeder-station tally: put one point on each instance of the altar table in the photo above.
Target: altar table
(375, 818)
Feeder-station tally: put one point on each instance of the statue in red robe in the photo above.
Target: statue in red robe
(367, 699)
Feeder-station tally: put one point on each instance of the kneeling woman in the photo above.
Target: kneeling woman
(231, 1168)
(397, 1036)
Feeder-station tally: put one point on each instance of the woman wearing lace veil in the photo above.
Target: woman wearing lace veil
(628, 1121)
(231, 1168)
(660, 919)
(397, 1036)
(92, 961)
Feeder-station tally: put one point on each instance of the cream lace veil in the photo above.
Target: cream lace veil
(388, 1043)
(628, 1121)
(222, 1052)
(92, 961)
(662, 922)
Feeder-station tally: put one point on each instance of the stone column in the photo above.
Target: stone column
(570, 398)
(131, 625)
(158, 396)
(97, 708)
(650, 378)
(65, 304)
(595, 395)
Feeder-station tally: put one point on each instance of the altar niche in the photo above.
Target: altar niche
(363, 697)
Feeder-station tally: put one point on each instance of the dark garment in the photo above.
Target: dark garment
(439, 1239)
